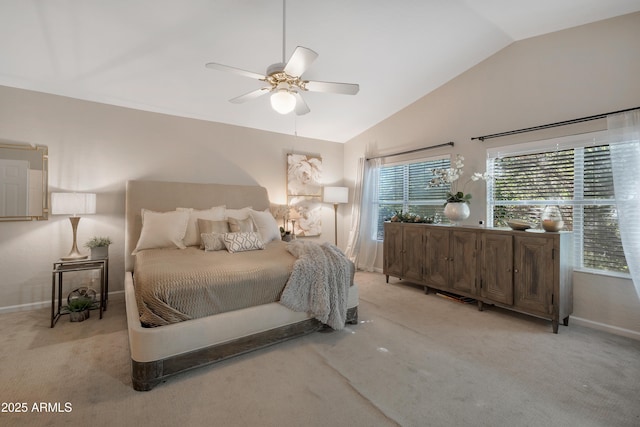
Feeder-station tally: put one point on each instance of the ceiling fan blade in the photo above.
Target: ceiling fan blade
(342, 88)
(301, 106)
(245, 73)
(300, 61)
(251, 95)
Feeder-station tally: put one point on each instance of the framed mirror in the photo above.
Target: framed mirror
(23, 182)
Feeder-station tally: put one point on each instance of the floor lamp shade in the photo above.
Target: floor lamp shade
(336, 195)
(73, 204)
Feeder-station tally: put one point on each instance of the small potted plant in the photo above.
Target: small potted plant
(79, 308)
(286, 235)
(99, 247)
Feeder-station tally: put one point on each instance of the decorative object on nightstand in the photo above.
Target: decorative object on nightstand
(336, 195)
(293, 216)
(74, 204)
(79, 303)
(285, 235)
(99, 247)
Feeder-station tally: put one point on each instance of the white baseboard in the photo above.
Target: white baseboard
(604, 327)
(43, 304)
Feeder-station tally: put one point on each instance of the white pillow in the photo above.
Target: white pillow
(213, 241)
(192, 236)
(240, 242)
(162, 230)
(238, 213)
(266, 225)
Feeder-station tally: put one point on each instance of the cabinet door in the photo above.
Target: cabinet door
(392, 250)
(437, 257)
(496, 280)
(462, 261)
(533, 274)
(413, 252)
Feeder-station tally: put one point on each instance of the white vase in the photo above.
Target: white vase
(457, 211)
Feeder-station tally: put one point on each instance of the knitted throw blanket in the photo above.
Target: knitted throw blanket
(319, 283)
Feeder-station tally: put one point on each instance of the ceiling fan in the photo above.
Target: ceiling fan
(284, 81)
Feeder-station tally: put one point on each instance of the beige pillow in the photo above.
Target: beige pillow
(240, 225)
(162, 230)
(240, 242)
(192, 235)
(266, 225)
(213, 241)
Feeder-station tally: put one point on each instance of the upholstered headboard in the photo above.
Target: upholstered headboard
(161, 196)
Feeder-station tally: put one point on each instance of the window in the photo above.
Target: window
(405, 187)
(574, 174)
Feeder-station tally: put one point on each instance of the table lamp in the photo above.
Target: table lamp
(74, 204)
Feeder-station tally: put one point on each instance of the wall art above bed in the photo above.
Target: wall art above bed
(304, 193)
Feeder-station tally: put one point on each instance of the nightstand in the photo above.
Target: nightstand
(64, 266)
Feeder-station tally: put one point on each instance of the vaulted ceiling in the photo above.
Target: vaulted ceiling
(150, 54)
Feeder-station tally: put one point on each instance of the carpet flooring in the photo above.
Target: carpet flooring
(413, 360)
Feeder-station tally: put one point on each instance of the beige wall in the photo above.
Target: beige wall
(574, 73)
(95, 147)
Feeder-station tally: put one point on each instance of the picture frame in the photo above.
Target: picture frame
(304, 193)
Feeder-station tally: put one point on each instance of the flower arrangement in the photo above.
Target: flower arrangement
(400, 216)
(450, 176)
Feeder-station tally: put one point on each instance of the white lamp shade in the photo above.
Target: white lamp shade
(73, 203)
(336, 195)
(283, 101)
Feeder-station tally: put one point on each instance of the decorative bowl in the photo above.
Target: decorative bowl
(517, 224)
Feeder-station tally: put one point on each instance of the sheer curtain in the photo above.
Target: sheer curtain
(362, 247)
(624, 140)
(353, 246)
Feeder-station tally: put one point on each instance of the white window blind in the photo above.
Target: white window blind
(577, 178)
(405, 187)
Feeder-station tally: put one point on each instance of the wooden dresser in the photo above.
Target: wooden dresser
(522, 271)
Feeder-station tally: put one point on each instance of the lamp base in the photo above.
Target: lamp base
(335, 223)
(74, 254)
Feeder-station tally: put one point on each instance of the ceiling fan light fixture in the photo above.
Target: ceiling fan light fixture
(283, 101)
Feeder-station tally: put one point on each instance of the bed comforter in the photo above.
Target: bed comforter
(174, 285)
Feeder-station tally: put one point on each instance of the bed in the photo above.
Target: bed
(168, 349)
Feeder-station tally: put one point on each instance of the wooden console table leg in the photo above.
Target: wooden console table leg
(480, 306)
(387, 278)
(554, 325)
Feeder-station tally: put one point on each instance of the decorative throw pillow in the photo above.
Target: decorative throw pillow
(207, 226)
(213, 241)
(162, 230)
(240, 242)
(192, 236)
(266, 225)
(240, 225)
